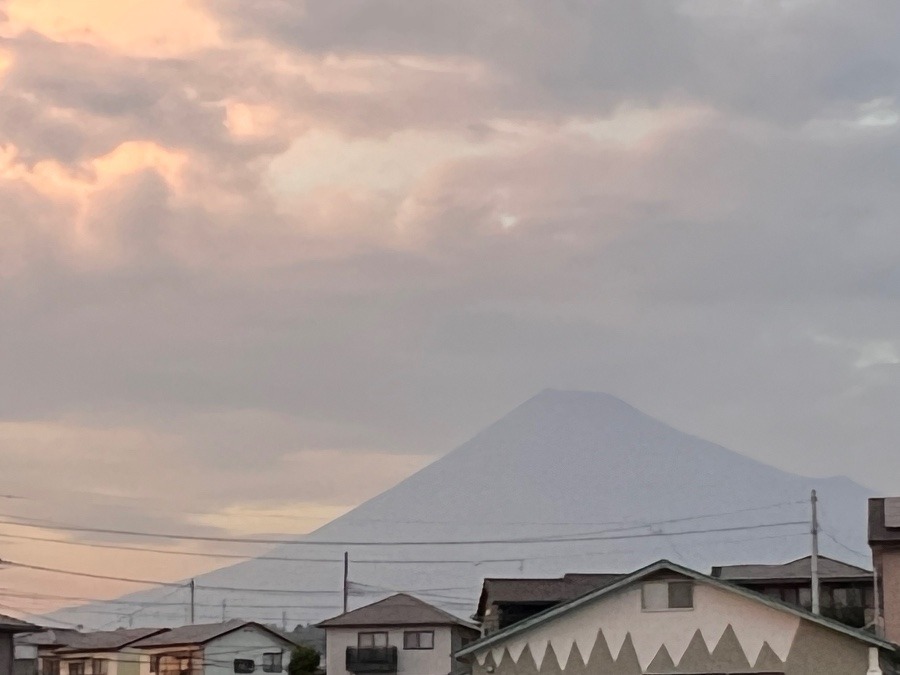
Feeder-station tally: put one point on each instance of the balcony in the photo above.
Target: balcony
(372, 659)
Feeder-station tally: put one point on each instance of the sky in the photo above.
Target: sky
(262, 259)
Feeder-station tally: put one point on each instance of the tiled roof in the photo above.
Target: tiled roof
(552, 590)
(800, 570)
(103, 640)
(201, 633)
(9, 624)
(398, 610)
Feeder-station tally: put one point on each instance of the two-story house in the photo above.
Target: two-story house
(71, 652)
(400, 635)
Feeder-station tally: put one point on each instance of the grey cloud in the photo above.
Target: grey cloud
(691, 274)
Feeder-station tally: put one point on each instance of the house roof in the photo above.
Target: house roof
(883, 527)
(667, 566)
(107, 640)
(796, 570)
(544, 590)
(10, 624)
(398, 610)
(202, 633)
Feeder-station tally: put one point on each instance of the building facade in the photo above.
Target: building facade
(400, 635)
(669, 619)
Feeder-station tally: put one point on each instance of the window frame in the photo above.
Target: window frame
(277, 664)
(99, 666)
(668, 583)
(81, 667)
(246, 670)
(373, 633)
(418, 636)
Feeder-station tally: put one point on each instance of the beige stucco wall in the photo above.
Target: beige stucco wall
(437, 661)
(724, 632)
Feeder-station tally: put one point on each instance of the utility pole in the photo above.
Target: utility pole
(224, 608)
(193, 590)
(814, 559)
(284, 621)
(346, 578)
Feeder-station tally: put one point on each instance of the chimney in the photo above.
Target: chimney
(884, 540)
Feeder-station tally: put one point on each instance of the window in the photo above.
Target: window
(805, 595)
(272, 662)
(185, 665)
(418, 639)
(76, 668)
(657, 596)
(369, 640)
(244, 666)
(50, 667)
(99, 666)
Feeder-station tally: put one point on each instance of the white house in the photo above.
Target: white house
(400, 635)
(236, 646)
(666, 618)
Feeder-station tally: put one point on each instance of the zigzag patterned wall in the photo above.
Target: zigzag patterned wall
(722, 624)
(726, 656)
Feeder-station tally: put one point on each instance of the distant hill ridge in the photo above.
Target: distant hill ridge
(563, 465)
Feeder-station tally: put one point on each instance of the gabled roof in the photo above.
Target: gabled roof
(201, 633)
(10, 624)
(398, 610)
(544, 590)
(796, 570)
(107, 640)
(667, 566)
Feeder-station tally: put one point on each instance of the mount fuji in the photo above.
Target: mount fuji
(566, 482)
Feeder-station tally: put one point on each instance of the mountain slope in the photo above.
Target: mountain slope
(602, 486)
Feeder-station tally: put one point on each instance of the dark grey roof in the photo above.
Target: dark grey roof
(398, 610)
(103, 640)
(10, 624)
(670, 567)
(545, 590)
(799, 570)
(880, 530)
(201, 633)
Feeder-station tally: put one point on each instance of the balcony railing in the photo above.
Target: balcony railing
(372, 659)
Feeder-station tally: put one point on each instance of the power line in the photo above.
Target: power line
(580, 536)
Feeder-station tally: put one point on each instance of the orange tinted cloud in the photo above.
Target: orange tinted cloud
(159, 28)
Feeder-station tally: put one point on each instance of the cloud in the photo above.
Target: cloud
(307, 234)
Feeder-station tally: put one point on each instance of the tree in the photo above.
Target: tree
(304, 661)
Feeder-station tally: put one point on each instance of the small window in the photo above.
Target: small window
(50, 667)
(418, 639)
(658, 596)
(184, 665)
(244, 666)
(369, 640)
(76, 668)
(99, 666)
(805, 597)
(681, 595)
(272, 662)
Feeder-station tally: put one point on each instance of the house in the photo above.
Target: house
(666, 618)
(9, 627)
(235, 646)
(846, 592)
(400, 634)
(884, 539)
(71, 652)
(504, 602)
